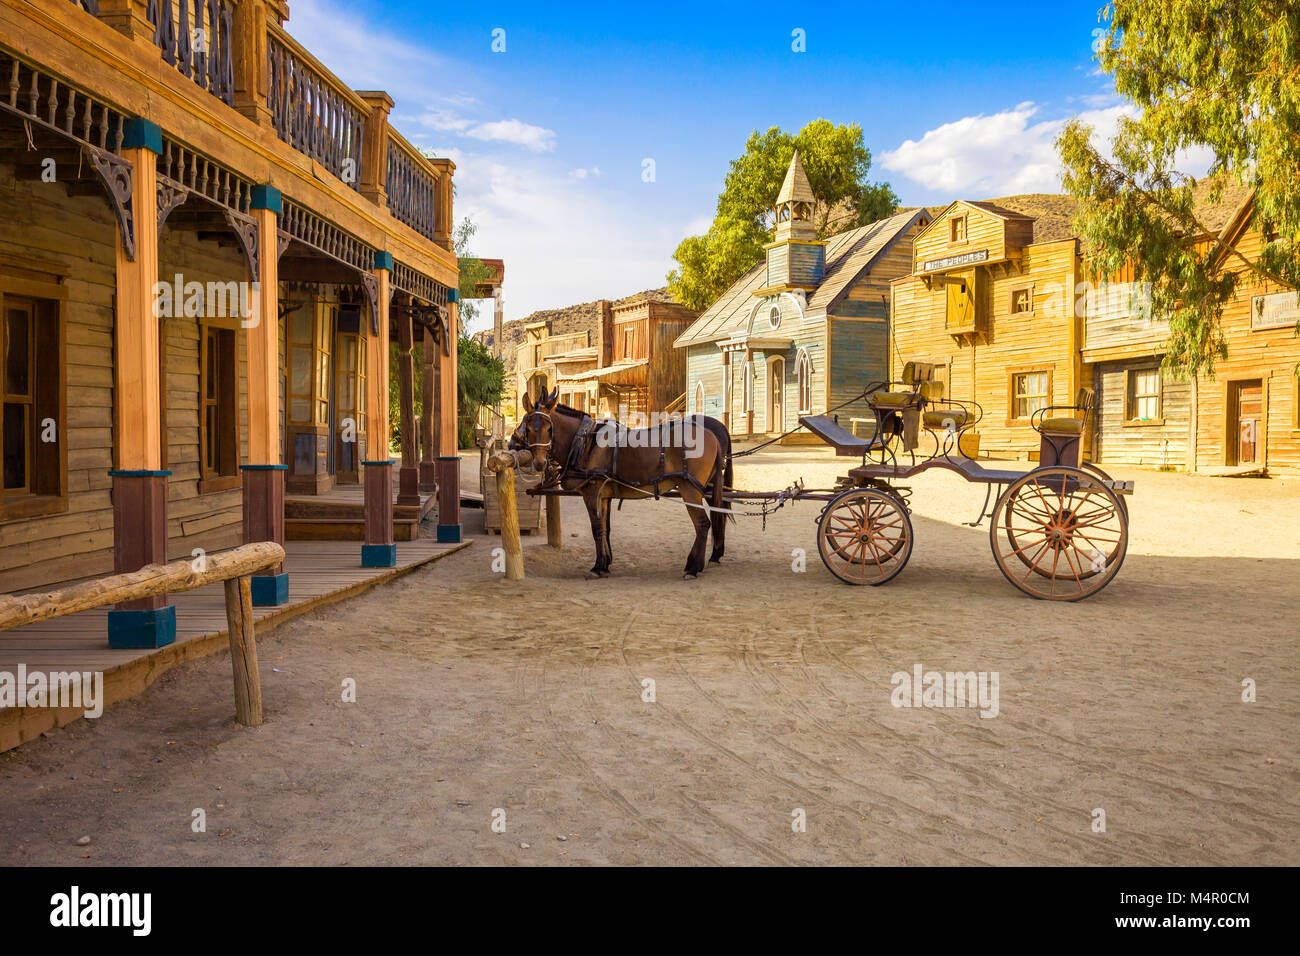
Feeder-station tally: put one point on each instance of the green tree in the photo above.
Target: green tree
(837, 162)
(1216, 75)
(480, 381)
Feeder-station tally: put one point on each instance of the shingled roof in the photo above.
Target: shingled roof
(848, 255)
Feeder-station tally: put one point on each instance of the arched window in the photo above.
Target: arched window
(748, 394)
(803, 369)
(699, 397)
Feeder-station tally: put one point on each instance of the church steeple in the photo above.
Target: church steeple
(796, 258)
(794, 204)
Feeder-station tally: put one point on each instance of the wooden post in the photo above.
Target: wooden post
(243, 651)
(448, 453)
(250, 63)
(374, 147)
(378, 551)
(264, 473)
(428, 414)
(510, 540)
(554, 533)
(408, 479)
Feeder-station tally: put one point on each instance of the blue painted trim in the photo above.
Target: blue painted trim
(378, 555)
(449, 534)
(448, 458)
(383, 461)
(267, 197)
(263, 467)
(139, 133)
(453, 295)
(384, 260)
(139, 474)
(136, 630)
(270, 590)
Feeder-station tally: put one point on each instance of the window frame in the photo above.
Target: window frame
(1027, 287)
(1012, 418)
(953, 222)
(699, 396)
(49, 399)
(747, 388)
(226, 475)
(1131, 397)
(803, 382)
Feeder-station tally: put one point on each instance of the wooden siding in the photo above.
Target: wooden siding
(1118, 323)
(982, 367)
(1160, 444)
(859, 355)
(984, 232)
(1270, 355)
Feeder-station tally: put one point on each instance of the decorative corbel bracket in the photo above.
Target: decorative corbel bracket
(371, 283)
(169, 199)
(245, 229)
(116, 175)
(282, 240)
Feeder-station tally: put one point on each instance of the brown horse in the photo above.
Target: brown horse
(605, 461)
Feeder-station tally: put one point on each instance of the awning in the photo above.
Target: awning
(622, 373)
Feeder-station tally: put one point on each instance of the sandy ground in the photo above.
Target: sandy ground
(477, 697)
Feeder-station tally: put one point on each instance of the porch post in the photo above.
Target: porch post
(726, 389)
(139, 481)
(428, 417)
(379, 551)
(264, 473)
(448, 452)
(408, 479)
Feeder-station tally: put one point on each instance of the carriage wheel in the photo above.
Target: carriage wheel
(864, 536)
(1059, 533)
(1089, 466)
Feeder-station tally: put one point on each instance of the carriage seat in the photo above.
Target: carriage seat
(1069, 426)
(892, 399)
(940, 418)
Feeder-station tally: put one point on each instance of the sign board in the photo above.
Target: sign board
(965, 259)
(1281, 310)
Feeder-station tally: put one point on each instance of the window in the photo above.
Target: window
(774, 316)
(803, 374)
(1143, 402)
(218, 406)
(32, 421)
(699, 397)
(629, 341)
(1029, 392)
(1022, 300)
(748, 383)
(958, 228)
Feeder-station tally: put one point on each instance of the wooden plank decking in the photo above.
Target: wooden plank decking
(320, 573)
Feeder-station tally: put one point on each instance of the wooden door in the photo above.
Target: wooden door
(776, 401)
(1248, 407)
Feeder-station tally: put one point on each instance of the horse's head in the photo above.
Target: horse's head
(536, 430)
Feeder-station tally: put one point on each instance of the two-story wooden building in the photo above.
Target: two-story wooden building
(210, 242)
(804, 330)
(990, 302)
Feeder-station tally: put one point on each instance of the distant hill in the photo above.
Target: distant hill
(573, 318)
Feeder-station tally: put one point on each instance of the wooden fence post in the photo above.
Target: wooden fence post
(554, 533)
(243, 651)
(510, 525)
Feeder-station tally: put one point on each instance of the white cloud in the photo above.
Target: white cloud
(581, 173)
(535, 138)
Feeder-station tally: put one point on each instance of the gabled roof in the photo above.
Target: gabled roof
(795, 187)
(848, 255)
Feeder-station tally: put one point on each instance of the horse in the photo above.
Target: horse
(605, 461)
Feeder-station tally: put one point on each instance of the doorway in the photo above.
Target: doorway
(776, 395)
(1246, 409)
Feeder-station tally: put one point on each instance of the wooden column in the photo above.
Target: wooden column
(374, 147)
(378, 551)
(428, 414)
(448, 457)
(139, 481)
(753, 387)
(249, 60)
(726, 390)
(498, 316)
(408, 479)
(264, 473)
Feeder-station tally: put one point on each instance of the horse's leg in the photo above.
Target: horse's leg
(605, 509)
(700, 518)
(592, 500)
(718, 517)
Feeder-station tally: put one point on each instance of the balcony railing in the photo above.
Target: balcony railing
(195, 36)
(412, 187)
(312, 110)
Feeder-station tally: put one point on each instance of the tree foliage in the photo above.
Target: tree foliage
(1216, 75)
(837, 162)
(480, 381)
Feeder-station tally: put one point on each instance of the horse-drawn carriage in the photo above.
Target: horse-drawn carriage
(1058, 531)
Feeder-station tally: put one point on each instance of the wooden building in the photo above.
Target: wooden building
(990, 301)
(211, 242)
(639, 372)
(804, 330)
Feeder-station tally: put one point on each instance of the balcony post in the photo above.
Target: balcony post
(252, 72)
(429, 352)
(378, 551)
(442, 212)
(448, 452)
(139, 480)
(128, 17)
(264, 473)
(374, 147)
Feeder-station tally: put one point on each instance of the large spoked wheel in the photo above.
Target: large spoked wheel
(1059, 534)
(864, 536)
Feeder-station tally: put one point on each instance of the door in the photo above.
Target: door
(776, 396)
(349, 423)
(1248, 408)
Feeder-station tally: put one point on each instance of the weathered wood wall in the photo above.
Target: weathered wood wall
(1161, 444)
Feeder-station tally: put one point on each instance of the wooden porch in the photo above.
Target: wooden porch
(320, 573)
(340, 515)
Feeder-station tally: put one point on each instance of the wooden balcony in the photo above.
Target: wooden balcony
(1118, 324)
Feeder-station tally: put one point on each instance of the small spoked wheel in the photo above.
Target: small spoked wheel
(1059, 533)
(864, 536)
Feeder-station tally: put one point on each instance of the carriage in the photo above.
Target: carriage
(1058, 531)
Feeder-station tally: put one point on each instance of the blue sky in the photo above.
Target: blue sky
(550, 136)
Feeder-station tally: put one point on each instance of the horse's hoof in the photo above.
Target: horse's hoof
(593, 574)
(717, 560)
(689, 576)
